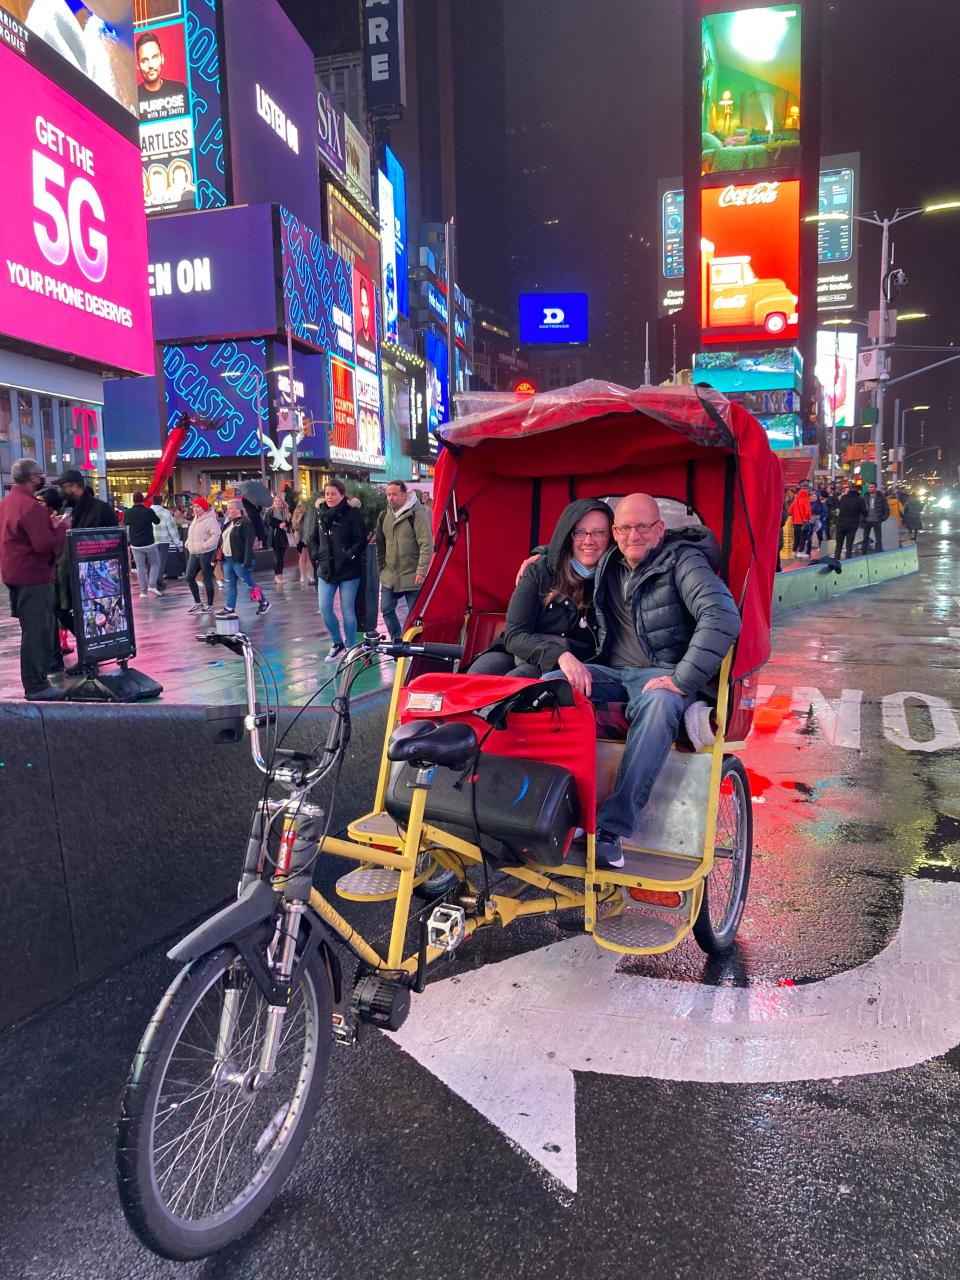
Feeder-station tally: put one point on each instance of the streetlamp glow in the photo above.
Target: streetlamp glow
(913, 315)
(943, 204)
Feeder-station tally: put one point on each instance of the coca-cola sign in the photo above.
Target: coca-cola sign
(759, 193)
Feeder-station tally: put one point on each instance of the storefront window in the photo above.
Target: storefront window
(28, 437)
(6, 447)
(48, 433)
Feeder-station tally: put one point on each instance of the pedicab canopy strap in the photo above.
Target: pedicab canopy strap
(535, 498)
(546, 721)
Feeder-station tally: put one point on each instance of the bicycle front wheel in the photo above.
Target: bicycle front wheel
(202, 1152)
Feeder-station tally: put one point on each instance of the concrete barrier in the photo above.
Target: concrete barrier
(815, 583)
(121, 825)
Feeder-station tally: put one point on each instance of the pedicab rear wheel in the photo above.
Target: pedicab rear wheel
(725, 889)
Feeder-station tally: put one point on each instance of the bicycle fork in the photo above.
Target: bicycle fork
(281, 958)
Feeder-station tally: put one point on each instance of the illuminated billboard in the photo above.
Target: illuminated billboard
(353, 237)
(388, 254)
(178, 94)
(95, 38)
(398, 180)
(750, 89)
(670, 220)
(74, 238)
(553, 318)
(739, 372)
(212, 274)
(272, 101)
(749, 262)
(837, 234)
(837, 374)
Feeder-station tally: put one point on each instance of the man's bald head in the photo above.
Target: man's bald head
(637, 527)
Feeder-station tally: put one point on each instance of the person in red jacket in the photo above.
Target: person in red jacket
(802, 516)
(30, 538)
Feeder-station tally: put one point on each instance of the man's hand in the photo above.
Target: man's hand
(663, 682)
(576, 673)
(419, 579)
(529, 560)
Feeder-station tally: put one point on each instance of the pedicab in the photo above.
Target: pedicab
(482, 786)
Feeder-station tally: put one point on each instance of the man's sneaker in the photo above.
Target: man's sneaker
(609, 850)
(226, 613)
(206, 608)
(47, 693)
(196, 608)
(155, 591)
(333, 653)
(142, 595)
(263, 606)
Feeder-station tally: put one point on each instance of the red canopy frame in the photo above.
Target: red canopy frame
(507, 472)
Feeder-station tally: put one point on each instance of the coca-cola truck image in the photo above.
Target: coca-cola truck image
(733, 295)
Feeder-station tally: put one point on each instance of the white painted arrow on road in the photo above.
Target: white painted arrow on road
(508, 1037)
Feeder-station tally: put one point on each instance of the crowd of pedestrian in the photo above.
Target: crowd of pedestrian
(840, 510)
(213, 549)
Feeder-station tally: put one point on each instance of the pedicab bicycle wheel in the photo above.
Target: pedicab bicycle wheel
(725, 889)
(201, 1153)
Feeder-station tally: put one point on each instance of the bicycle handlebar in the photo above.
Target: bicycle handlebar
(413, 648)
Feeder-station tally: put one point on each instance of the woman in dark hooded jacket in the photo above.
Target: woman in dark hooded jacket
(551, 612)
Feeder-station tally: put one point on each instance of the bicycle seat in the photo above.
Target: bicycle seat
(424, 743)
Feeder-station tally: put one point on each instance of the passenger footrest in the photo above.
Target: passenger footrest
(638, 931)
(369, 884)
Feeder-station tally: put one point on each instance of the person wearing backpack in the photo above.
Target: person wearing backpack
(404, 547)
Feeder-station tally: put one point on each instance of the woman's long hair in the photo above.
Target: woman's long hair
(568, 585)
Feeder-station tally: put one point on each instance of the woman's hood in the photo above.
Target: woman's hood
(569, 517)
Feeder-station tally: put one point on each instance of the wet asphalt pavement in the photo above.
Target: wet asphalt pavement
(855, 789)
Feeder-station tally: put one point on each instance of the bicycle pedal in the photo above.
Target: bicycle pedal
(446, 927)
(345, 1030)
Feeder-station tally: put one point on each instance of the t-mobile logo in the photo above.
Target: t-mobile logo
(553, 316)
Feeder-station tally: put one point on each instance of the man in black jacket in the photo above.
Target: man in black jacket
(666, 622)
(87, 511)
(878, 510)
(851, 512)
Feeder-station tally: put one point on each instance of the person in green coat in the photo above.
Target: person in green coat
(404, 548)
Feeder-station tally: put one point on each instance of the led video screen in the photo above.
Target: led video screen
(837, 374)
(96, 38)
(750, 262)
(553, 318)
(750, 89)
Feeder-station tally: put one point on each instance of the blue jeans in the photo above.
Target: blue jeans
(388, 607)
(233, 570)
(654, 719)
(326, 594)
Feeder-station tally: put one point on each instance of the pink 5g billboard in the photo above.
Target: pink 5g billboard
(73, 237)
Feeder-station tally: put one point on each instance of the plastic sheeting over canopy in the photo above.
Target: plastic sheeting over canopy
(509, 470)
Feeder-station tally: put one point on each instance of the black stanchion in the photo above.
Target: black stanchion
(103, 613)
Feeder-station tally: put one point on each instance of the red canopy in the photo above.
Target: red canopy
(509, 471)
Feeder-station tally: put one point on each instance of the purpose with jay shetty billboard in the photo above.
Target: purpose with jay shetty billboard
(749, 261)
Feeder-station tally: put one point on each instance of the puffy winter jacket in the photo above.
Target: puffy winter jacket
(538, 632)
(203, 533)
(800, 508)
(851, 511)
(684, 614)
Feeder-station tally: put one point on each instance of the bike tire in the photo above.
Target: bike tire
(721, 909)
(139, 1181)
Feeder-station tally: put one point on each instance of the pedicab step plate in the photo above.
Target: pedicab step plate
(369, 884)
(374, 827)
(638, 929)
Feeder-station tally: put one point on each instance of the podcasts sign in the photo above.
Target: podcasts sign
(72, 233)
